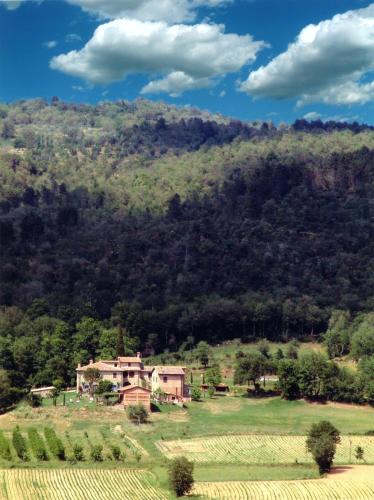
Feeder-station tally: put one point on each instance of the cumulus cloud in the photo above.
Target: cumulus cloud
(312, 115)
(185, 56)
(72, 37)
(175, 84)
(11, 4)
(326, 63)
(172, 11)
(50, 44)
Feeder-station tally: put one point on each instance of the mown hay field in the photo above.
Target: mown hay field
(318, 489)
(261, 449)
(80, 484)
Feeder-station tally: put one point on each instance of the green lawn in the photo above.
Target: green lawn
(253, 473)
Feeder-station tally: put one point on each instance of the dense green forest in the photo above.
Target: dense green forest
(141, 225)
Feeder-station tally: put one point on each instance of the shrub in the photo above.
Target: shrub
(54, 443)
(34, 400)
(96, 453)
(4, 447)
(321, 443)
(181, 476)
(37, 445)
(116, 453)
(19, 444)
(78, 453)
(137, 413)
(195, 393)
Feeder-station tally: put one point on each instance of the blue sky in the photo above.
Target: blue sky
(252, 59)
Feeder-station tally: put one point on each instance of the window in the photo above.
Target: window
(165, 379)
(131, 374)
(129, 364)
(115, 364)
(114, 375)
(125, 374)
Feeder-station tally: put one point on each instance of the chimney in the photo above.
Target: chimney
(91, 361)
(138, 354)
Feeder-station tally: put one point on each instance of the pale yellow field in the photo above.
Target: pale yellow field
(261, 449)
(79, 484)
(357, 483)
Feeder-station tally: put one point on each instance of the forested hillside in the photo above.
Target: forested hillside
(174, 224)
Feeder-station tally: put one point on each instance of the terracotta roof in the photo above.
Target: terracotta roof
(147, 369)
(129, 359)
(130, 387)
(103, 367)
(170, 370)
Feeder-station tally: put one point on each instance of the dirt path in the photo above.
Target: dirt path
(351, 472)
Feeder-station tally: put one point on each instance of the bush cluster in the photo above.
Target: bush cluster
(54, 443)
(96, 453)
(19, 444)
(78, 453)
(37, 445)
(4, 447)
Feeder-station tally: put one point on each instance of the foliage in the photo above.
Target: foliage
(195, 393)
(321, 443)
(337, 338)
(54, 443)
(78, 452)
(359, 453)
(19, 444)
(137, 413)
(96, 453)
(4, 447)
(181, 476)
(37, 445)
(116, 453)
(213, 376)
(288, 378)
(250, 368)
(92, 375)
(202, 353)
(104, 386)
(34, 400)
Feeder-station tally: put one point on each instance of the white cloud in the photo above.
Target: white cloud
(172, 11)
(313, 115)
(326, 63)
(50, 44)
(184, 56)
(72, 37)
(175, 84)
(11, 4)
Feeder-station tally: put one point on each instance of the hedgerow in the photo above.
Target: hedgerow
(4, 447)
(19, 444)
(54, 443)
(37, 445)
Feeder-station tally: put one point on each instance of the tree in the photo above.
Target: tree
(104, 386)
(362, 343)
(213, 376)
(293, 350)
(321, 443)
(195, 393)
(250, 369)
(313, 369)
(137, 413)
(91, 375)
(202, 353)
(359, 453)
(288, 380)
(8, 394)
(337, 337)
(181, 476)
(264, 348)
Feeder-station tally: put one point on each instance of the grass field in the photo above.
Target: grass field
(61, 484)
(261, 449)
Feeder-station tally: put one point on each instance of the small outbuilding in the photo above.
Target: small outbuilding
(135, 394)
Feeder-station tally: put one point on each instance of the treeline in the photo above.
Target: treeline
(307, 374)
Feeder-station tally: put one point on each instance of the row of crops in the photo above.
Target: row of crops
(319, 489)
(44, 445)
(261, 449)
(78, 484)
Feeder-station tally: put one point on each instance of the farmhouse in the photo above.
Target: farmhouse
(136, 382)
